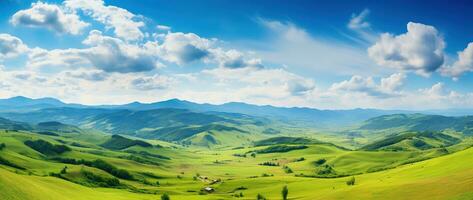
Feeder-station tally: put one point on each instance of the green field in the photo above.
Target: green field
(317, 171)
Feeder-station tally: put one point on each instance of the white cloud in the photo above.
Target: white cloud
(90, 75)
(155, 82)
(163, 28)
(359, 24)
(184, 48)
(419, 50)
(235, 59)
(11, 46)
(463, 64)
(277, 80)
(125, 24)
(49, 16)
(388, 87)
(358, 21)
(105, 53)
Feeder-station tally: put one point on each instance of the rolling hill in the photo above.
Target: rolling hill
(419, 122)
(408, 141)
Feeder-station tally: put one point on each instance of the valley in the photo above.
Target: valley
(124, 154)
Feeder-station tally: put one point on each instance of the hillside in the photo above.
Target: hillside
(117, 142)
(419, 122)
(408, 141)
(146, 173)
(284, 140)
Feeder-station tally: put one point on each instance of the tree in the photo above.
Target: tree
(351, 181)
(64, 170)
(165, 197)
(284, 192)
(260, 197)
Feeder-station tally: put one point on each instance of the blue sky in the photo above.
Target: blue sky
(322, 54)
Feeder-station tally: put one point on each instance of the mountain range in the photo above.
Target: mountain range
(312, 116)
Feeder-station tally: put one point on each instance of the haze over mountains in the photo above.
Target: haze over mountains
(316, 116)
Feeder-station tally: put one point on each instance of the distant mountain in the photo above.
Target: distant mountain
(24, 104)
(419, 122)
(315, 116)
(166, 124)
(57, 127)
(13, 125)
(309, 116)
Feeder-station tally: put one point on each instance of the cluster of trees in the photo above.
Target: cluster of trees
(99, 164)
(239, 155)
(325, 170)
(287, 170)
(46, 148)
(4, 161)
(100, 180)
(269, 164)
(148, 154)
(280, 149)
(2, 146)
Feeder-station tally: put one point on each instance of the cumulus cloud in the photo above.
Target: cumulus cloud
(49, 16)
(463, 64)
(183, 48)
(235, 59)
(125, 24)
(11, 46)
(113, 55)
(105, 53)
(388, 87)
(419, 50)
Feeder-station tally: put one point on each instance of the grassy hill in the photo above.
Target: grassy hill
(413, 141)
(94, 173)
(117, 142)
(419, 122)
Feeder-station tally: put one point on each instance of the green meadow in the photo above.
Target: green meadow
(147, 169)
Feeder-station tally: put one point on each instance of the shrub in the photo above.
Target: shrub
(287, 170)
(299, 159)
(46, 148)
(351, 181)
(64, 170)
(320, 161)
(165, 197)
(2, 146)
(284, 193)
(260, 197)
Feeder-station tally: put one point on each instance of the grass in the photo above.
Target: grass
(183, 172)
